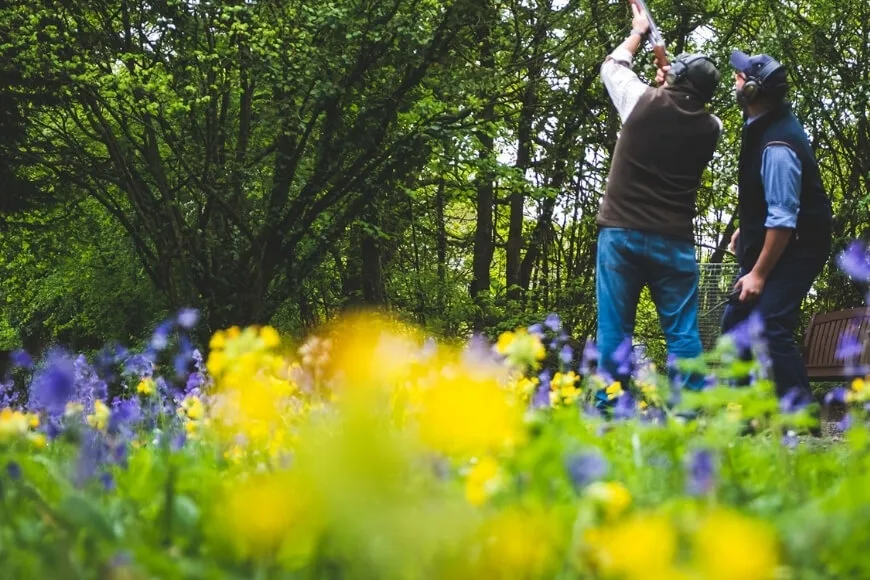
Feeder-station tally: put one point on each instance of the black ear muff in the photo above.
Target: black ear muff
(754, 85)
(680, 67)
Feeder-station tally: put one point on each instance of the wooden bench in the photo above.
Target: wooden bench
(822, 339)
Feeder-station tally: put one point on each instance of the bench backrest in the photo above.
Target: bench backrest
(822, 338)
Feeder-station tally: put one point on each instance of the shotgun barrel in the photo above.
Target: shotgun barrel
(655, 37)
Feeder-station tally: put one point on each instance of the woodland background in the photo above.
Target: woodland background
(279, 161)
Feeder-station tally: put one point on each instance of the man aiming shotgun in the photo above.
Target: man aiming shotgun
(645, 220)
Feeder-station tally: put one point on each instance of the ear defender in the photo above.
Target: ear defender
(680, 67)
(754, 85)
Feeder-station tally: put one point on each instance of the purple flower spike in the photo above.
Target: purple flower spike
(13, 470)
(701, 473)
(793, 401)
(187, 318)
(622, 356)
(585, 468)
(790, 440)
(566, 355)
(536, 330)
(849, 346)
(590, 357)
(54, 386)
(21, 359)
(553, 322)
(854, 261)
(837, 395)
(625, 407)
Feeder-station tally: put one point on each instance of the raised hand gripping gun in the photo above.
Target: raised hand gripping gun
(655, 37)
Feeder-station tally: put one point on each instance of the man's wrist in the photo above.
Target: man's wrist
(641, 33)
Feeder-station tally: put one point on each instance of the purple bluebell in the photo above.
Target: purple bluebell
(13, 470)
(836, 395)
(849, 346)
(160, 337)
(89, 386)
(177, 442)
(622, 356)
(793, 401)
(625, 407)
(701, 474)
(553, 322)
(107, 481)
(844, 424)
(541, 397)
(9, 397)
(585, 468)
(790, 439)
(536, 330)
(53, 386)
(854, 261)
(21, 359)
(590, 357)
(93, 452)
(566, 355)
(139, 366)
(187, 318)
(124, 413)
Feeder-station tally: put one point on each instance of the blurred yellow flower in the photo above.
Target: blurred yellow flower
(517, 543)
(99, 419)
(12, 424)
(520, 348)
(481, 480)
(563, 389)
(466, 412)
(640, 547)
(145, 386)
(731, 546)
(614, 390)
(265, 514)
(612, 496)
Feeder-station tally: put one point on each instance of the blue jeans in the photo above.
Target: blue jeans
(779, 306)
(627, 260)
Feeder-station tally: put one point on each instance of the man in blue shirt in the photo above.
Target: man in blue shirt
(784, 238)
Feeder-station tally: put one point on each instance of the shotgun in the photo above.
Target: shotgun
(655, 37)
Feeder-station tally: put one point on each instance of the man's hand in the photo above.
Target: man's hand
(732, 247)
(639, 21)
(661, 73)
(750, 286)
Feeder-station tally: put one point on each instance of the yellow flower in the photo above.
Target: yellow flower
(515, 543)
(563, 389)
(269, 513)
(73, 409)
(466, 412)
(611, 495)
(480, 481)
(642, 546)
(12, 424)
(39, 440)
(146, 386)
(270, 337)
(520, 348)
(614, 390)
(99, 419)
(731, 546)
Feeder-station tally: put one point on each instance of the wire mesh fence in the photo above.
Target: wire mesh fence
(714, 284)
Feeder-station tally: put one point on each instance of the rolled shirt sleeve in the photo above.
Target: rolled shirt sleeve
(781, 174)
(623, 85)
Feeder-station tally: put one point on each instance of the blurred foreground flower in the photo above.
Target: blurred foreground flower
(731, 546)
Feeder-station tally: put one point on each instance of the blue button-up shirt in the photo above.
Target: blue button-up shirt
(781, 176)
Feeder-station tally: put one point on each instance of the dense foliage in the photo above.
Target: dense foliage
(274, 162)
